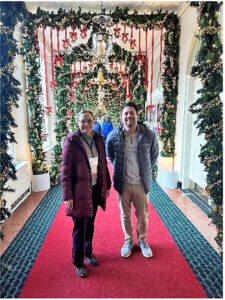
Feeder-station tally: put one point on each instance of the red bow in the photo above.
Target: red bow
(149, 108)
(73, 36)
(65, 42)
(124, 37)
(59, 60)
(53, 84)
(132, 43)
(48, 110)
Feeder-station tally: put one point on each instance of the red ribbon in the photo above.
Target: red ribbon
(132, 41)
(139, 57)
(146, 57)
(66, 41)
(124, 35)
(71, 81)
(120, 72)
(53, 82)
(59, 59)
(160, 63)
(117, 31)
(58, 40)
(80, 73)
(128, 96)
(85, 68)
(116, 67)
(151, 89)
(46, 69)
(83, 31)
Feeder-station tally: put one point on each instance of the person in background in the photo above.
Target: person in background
(107, 127)
(102, 120)
(97, 126)
(133, 149)
(85, 183)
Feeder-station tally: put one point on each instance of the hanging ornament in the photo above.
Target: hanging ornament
(52, 82)
(48, 108)
(83, 32)
(117, 31)
(139, 58)
(151, 88)
(131, 40)
(73, 34)
(59, 59)
(146, 59)
(124, 35)
(66, 42)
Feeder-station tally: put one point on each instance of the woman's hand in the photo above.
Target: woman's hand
(69, 203)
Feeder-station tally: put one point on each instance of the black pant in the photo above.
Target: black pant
(83, 232)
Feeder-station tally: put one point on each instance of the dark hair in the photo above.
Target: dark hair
(130, 104)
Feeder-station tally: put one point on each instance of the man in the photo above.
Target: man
(132, 149)
(97, 126)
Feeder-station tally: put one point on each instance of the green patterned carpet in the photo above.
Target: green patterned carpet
(23, 250)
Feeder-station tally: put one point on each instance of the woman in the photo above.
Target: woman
(85, 184)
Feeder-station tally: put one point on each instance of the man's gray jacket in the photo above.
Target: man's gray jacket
(148, 151)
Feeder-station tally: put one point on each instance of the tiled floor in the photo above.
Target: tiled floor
(13, 224)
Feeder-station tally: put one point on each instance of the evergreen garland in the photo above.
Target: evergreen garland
(33, 93)
(10, 13)
(208, 106)
(65, 19)
(86, 94)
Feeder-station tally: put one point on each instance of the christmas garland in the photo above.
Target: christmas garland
(86, 94)
(10, 13)
(33, 93)
(208, 106)
(83, 21)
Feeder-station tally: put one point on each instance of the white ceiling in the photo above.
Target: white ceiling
(95, 6)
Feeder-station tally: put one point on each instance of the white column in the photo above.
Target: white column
(187, 129)
(22, 149)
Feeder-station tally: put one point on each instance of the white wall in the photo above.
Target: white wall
(188, 23)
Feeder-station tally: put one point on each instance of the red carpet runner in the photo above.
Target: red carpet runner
(165, 275)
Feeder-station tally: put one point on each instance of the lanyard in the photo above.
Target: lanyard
(89, 145)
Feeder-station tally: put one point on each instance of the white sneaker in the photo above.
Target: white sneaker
(145, 249)
(126, 249)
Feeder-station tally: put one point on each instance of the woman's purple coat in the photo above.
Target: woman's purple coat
(76, 174)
